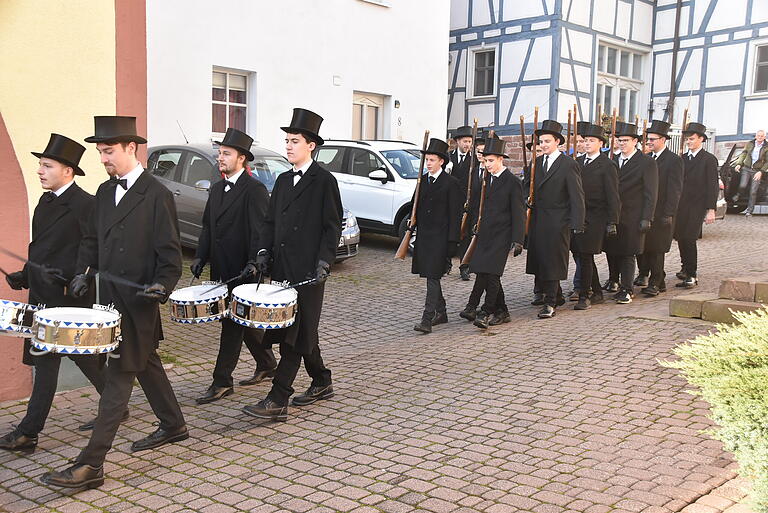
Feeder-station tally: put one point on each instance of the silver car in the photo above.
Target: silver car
(189, 170)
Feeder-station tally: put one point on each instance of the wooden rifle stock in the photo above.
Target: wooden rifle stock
(575, 131)
(683, 126)
(473, 243)
(472, 162)
(402, 250)
(645, 127)
(613, 133)
(532, 178)
(568, 139)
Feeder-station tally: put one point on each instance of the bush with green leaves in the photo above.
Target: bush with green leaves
(729, 368)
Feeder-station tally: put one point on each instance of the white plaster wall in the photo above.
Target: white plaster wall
(520, 9)
(728, 14)
(755, 115)
(642, 24)
(723, 63)
(295, 50)
(665, 23)
(459, 10)
(725, 117)
(540, 65)
(529, 98)
(605, 16)
(623, 20)
(577, 11)
(481, 15)
(581, 45)
(457, 110)
(484, 112)
(512, 58)
(759, 14)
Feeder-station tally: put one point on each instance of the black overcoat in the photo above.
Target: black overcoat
(659, 239)
(438, 223)
(638, 189)
(302, 227)
(700, 190)
(232, 222)
(137, 240)
(600, 181)
(461, 171)
(503, 223)
(58, 226)
(558, 208)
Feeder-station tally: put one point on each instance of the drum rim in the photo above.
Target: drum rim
(30, 306)
(267, 326)
(74, 324)
(262, 304)
(18, 328)
(199, 320)
(212, 299)
(104, 348)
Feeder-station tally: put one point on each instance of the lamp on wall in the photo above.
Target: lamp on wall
(397, 104)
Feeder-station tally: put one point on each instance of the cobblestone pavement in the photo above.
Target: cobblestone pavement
(571, 414)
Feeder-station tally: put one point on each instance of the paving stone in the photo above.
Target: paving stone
(721, 310)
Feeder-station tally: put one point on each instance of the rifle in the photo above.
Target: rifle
(568, 139)
(645, 127)
(575, 131)
(613, 131)
(534, 144)
(476, 229)
(402, 250)
(522, 138)
(470, 175)
(683, 126)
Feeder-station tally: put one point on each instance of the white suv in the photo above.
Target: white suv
(376, 180)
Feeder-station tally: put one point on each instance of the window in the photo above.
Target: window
(363, 162)
(366, 116)
(485, 73)
(405, 162)
(163, 163)
(197, 168)
(229, 95)
(331, 159)
(761, 69)
(619, 83)
(266, 169)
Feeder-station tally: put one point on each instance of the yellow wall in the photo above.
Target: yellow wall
(58, 69)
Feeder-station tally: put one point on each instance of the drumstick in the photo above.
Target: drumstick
(293, 285)
(258, 281)
(221, 284)
(3, 271)
(191, 280)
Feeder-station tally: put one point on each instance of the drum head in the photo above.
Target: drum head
(195, 293)
(70, 316)
(267, 294)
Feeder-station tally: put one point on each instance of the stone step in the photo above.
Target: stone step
(721, 310)
(738, 289)
(690, 305)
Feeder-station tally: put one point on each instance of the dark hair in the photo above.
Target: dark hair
(306, 137)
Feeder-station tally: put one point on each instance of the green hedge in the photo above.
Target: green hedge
(729, 368)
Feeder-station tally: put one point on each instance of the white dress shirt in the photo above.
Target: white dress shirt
(232, 179)
(694, 153)
(756, 153)
(60, 190)
(438, 173)
(130, 178)
(303, 170)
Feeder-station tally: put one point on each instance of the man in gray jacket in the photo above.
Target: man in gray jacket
(752, 162)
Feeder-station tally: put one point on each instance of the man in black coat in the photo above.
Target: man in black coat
(61, 220)
(460, 163)
(438, 220)
(659, 239)
(233, 217)
(136, 238)
(600, 181)
(638, 189)
(301, 232)
(557, 210)
(698, 201)
(502, 229)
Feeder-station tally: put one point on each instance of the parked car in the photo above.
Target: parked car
(376, 180)
(731, 178)
(188, 171)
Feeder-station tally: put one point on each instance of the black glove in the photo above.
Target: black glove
(16, 280)
(78, 287)
(155, 292)
(645, 226)
(666, 221)
(517, 248)
(610, 230)
(322, 272)
(453, 248)
(262, 261)
(197, 267)
(53, 276)
(577, 231)
(248, 271)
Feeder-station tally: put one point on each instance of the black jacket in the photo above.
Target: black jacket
(659, 239)
(460, 171)
(700, 191)
(600, 181)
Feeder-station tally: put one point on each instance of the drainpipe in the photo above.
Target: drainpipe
(670, 110)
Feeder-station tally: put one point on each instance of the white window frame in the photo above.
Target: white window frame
(227, 103)
(749, 87)
(470, 81)
(618, 82)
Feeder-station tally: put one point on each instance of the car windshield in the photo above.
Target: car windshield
(405, 162)
(266, 169)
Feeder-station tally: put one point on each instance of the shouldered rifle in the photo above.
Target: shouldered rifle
(683, 126)
(522, 139)
(402, 250)
(575, 130)
(470, 175)
(613, 133)
(645, 127)
(532, 177)
(476, 229)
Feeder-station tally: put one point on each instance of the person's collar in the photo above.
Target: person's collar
(233, 178)
(694, 153)
(759, 144)
(496, 175)
(60, 190)
(627, 157)
(594, 155)
(133, 175)
(438, 173)
(552, 156)
(658, 154)
(303, 167)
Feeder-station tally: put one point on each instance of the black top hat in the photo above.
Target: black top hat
(115, 129)
(238, 140)
(551, 127)
(65, 150)
(529, 145)
(462, 131)
(696, 128)
(626, 130)
(658, 127)
(581, 126)
(591, 130)
(494, 146)
(305, 122)
(439, 148)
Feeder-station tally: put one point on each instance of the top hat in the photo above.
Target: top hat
(307, 123)
(494, 146)
(551, 127)
(462, 131)
(658, 127)
(590, 130)
(238, 140)
(115, 129)
(626, 129)
(439, 148)
(696, 128)
(581, 126)
(65, 150)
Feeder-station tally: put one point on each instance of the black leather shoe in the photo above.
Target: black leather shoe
(641, 280)
(482, 321)
(469, 313)
(623, 297)
(160, 437)
(258, 377)
(681, 275)
(650, 290)
(214, 393)
(499, 318)
(14, 441)
(560, 301)
(538, 300)
(440, 318)
(583, 304)
(662, 287)
(596, 299)
(313, 394)
(464, 272)
(611, 286)
(688, 283)
(425, 326)
(89, 425)
(547, 312)
(573, 295)
(267, 409)
(78, 475)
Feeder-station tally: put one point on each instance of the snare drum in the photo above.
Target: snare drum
(193, 305)
(270, 307)
(16, 318)
(72, 330)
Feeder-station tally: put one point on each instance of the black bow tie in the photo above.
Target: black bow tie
(49, 196)
(298, 172)
(122, 182)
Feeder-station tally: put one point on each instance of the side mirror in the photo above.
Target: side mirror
(379, 174)
(203, 185)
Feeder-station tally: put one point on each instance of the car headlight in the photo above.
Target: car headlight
(351, 220)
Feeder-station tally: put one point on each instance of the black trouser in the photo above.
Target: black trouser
(688, 256)
(290, 361)
(552, 291)
(748, 174)
(578, 274)
(44, 387)
(590, 281)
(643, 266)
(622, 270)
(490, 284)
(114, 401)
(231, 340)
(434, 302)
(652, 264)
